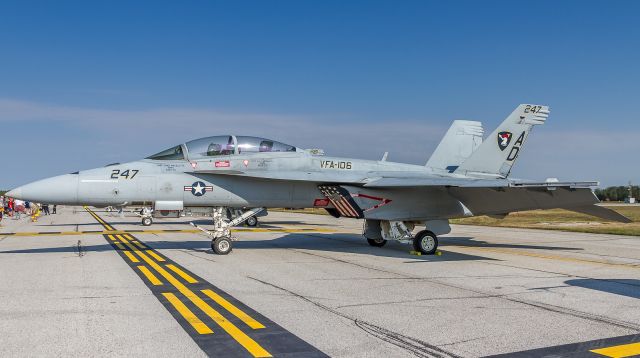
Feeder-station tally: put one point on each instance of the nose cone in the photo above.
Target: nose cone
(15, 193)
(62, 189)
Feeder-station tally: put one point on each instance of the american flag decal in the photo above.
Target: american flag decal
(342, 201)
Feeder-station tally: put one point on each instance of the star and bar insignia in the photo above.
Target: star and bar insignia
(198, 188)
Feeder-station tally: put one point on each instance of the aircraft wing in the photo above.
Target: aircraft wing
(484, 196)
(369, 180)
(402, 180)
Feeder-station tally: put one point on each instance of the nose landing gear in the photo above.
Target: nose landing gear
(221, 238)
(147, 216)
(147, 221)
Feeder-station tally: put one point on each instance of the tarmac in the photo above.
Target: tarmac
(92, 283)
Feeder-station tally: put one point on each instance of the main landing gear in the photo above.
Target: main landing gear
(378, 233)
(252, 221)
(425, 242)
(221, 238)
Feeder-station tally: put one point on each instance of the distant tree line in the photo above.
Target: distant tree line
(617, 193)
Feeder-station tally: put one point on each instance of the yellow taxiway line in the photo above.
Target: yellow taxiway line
(150, 276)
(242, 338)
(182, 274)
(194, 321)
(621, 351)
(233, 309)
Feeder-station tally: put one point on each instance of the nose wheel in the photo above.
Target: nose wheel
(147, 216)
(222, 245)
(376, 242)
(221, 238)
(252, 221)
(425, 242)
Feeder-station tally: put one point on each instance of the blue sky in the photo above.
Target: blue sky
(83, 84)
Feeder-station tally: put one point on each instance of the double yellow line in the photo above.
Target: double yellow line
(99, 219)
(129, 245)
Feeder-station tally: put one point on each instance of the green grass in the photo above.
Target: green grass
(556, 219)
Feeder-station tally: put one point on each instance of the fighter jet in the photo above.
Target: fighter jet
(465, 176)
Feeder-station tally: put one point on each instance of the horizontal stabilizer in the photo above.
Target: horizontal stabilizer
(489, 201)
(601, 212)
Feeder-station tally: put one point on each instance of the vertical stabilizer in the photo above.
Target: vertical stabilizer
(462, 138)
(497, 154)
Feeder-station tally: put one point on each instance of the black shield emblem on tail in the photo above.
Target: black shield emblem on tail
(504, 138)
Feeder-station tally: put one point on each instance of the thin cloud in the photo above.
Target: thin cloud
(120, 135)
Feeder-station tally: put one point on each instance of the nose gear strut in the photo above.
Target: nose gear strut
(221, 238)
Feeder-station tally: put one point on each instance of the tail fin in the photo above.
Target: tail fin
(462, 138)
(498, 153)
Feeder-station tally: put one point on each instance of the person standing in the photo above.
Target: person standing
(10, 206)
(18, 208)
(54, 208)
(45, 209)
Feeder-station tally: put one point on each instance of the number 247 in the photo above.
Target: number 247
(127, 174)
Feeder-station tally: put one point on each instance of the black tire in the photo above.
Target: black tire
(252, 221)
(147, 221)
(425, 242)
(222, 245)
(377, 242)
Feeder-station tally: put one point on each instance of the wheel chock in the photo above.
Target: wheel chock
(418, 253)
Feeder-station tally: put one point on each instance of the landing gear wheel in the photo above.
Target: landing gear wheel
(147, 221)
(426, 242)
(221, 245)
(377, 242)
(252, 221)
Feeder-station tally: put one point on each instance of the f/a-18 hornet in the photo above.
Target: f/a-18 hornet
(465, 176)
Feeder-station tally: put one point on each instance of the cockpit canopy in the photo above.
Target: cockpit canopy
(221, 145)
